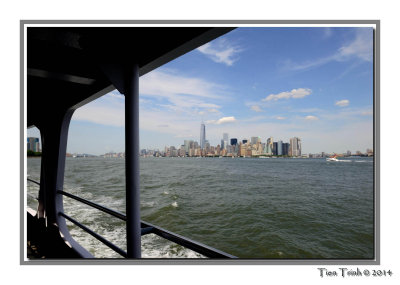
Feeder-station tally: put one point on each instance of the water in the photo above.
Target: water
(248, 207)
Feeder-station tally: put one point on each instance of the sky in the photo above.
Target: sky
(281, 82)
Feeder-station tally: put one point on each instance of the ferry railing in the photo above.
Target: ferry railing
(146, 228)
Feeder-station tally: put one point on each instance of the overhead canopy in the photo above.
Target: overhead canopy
(65, 65)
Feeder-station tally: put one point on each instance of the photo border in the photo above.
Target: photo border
(180, 261)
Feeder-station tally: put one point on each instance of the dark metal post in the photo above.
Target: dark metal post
(133, 230)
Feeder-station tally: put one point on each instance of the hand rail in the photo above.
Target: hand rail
(94, 205)
(30, 195)
(33, 181)
(147, 228)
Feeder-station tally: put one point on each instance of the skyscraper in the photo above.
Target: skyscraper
(275, 148)
(202, 135)
(224, 141)
(233, 141)
(270, 145)
(280, 151)
(285, 149)
(187, 145)
(254, 140)
(33, 144)
(295, 147)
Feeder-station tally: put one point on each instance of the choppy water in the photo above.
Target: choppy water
(248, 207)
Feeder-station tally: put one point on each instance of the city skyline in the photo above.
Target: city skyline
(243, 148)
(313, 83)
(240, 147)
(269, 145)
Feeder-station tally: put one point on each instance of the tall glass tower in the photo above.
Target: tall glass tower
(295, 147)
(225, 140)
(202, 135)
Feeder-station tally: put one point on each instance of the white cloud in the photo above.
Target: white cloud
(360, 47)
(311, 118)
(256, 108)
(220, 51)
(223, 120)
(295, 93)
(280, 118)
(183, 94)
(342, 103)
(168, 84)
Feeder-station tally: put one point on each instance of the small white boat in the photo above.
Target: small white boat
(332, 158)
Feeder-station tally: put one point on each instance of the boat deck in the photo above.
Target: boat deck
(45, 242)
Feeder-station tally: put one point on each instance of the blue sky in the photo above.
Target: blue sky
(313, 83)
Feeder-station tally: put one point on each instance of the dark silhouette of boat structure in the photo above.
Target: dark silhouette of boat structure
(68, 67)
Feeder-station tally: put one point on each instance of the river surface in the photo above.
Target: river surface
(249, 207)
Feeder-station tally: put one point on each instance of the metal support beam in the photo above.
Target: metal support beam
(54, 135)
(133, 229)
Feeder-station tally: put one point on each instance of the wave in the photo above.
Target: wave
(148, 204)
(155, 247)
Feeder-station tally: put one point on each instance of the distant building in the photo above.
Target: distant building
(207, 146)
(218, 150)
(187, 144)
(285, 149)
(254, 140)
(244, 141)
(275, 148)
(224, 141)
(182, 151)
(202, 135)
(33, 144)
(279, 148)
(295, 147)
(233, 141)
(270, 145)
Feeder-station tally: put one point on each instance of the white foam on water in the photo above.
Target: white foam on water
(155, 247)
(175, 204)
(165, 192)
